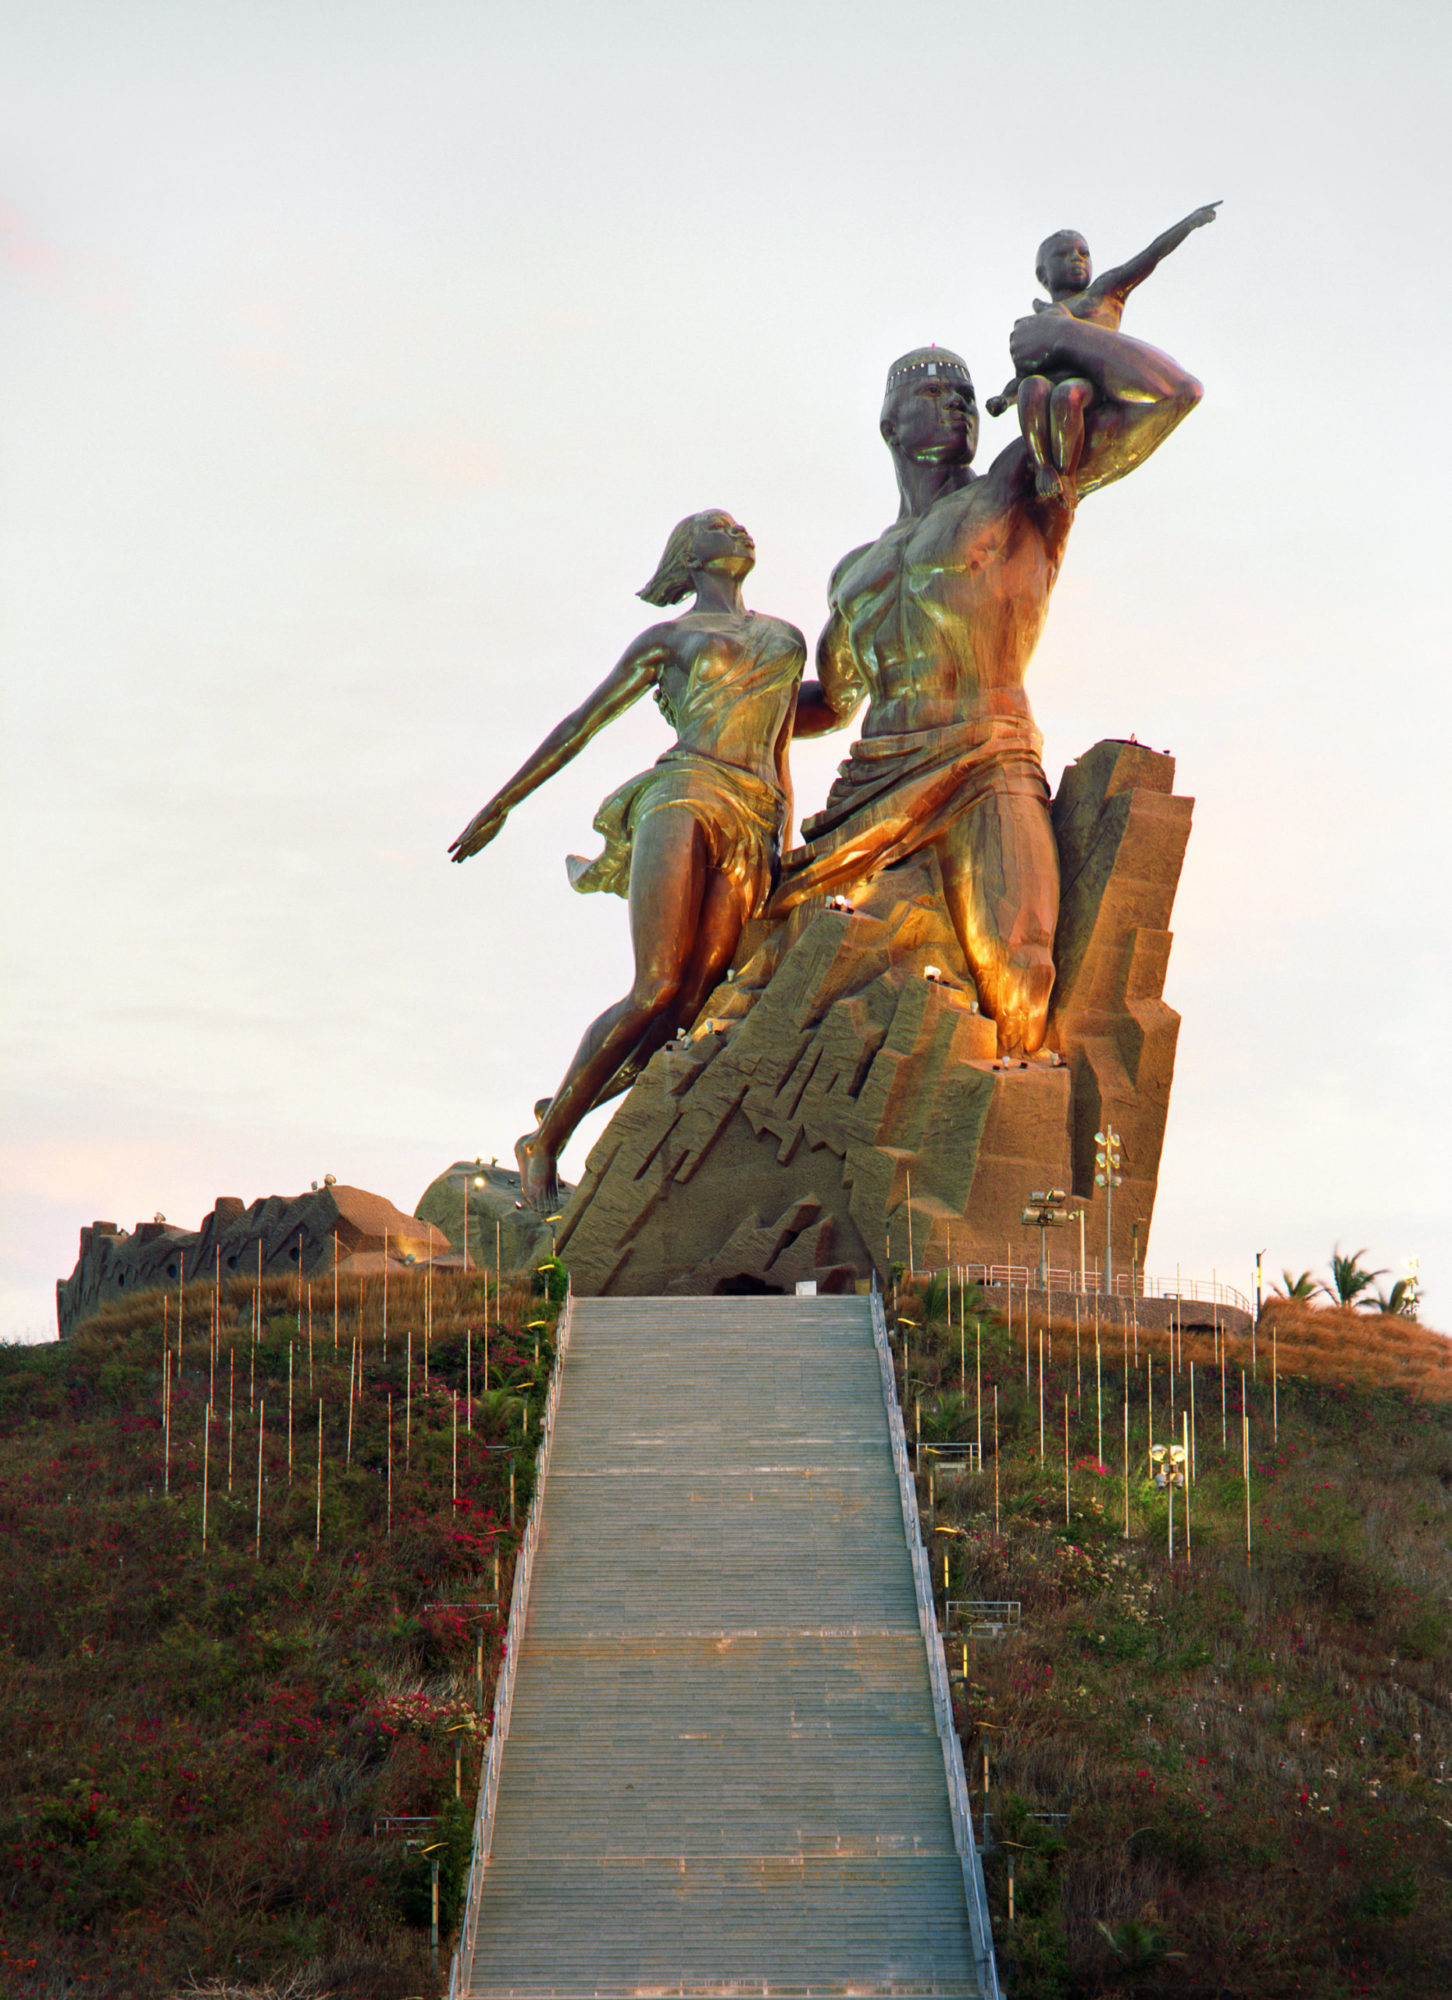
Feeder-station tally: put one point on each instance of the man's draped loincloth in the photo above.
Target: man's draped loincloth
(895, 794)
(740, 814)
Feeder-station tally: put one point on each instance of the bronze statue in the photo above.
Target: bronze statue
(1051, 408)
(695, 841)
(935, 622)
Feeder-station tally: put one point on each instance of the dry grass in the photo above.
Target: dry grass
(1254, 1756)
(1318, 1343)
(201, 1741)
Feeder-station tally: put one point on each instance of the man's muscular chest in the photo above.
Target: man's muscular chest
(896, 595)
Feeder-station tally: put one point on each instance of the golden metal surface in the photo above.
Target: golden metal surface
(695, 841)
(935, 622)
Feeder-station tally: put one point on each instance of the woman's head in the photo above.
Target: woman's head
(701, 540)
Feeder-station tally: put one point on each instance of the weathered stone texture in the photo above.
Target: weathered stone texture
(290, 1235)
(846, 1056)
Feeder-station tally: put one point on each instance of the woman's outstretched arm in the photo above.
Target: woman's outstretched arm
(637, 669)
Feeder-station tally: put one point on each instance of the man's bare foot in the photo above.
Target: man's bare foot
(538, 1175)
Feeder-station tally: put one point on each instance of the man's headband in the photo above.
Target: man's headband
(929, 361)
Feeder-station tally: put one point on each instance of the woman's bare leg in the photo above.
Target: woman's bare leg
(723, 913)
(667, 888)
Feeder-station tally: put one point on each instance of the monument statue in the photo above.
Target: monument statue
(695, 841)
(935, 623)
(926, 1010)
(1051, 408)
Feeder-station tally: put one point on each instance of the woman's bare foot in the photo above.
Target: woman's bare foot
(538, 1174)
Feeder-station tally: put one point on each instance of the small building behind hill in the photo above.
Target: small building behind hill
(304, 1235)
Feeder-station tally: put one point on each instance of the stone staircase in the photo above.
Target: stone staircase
(724, 1772)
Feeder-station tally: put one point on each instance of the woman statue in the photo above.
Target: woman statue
(695, 841)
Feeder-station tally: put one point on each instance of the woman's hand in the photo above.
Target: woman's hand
(481, 829)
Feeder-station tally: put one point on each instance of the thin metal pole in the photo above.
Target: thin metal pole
(1099, 1396)
(289, 1413)
(1066, 1461)
(318, 1538)
(978, 1371)
(995, 1458)
(1189, 1438)
(1126, 1458)
(337, 1250)
(1192, 1470)
(454, 1400)
(206, 1470)
(1041, 1395)
(385, 1292)
(408, 1402)
(261, 1422)
(390, 1462)
(166, 1420)
(1245, 1458)
(469, 1377)
(231, 1360)
(352, 1361)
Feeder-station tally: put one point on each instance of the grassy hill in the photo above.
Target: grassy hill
(1245, 1760)
(1216, 1774)
(203, 1745)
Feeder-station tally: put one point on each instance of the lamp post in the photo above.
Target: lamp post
(1107, 1163)
(1044, 1212)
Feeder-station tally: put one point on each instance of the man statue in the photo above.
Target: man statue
(935, 623)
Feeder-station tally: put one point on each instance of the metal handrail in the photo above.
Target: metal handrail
(1090, 1284)
(959, 1806)
(504, 1688)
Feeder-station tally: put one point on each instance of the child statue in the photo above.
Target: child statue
(1051, 409)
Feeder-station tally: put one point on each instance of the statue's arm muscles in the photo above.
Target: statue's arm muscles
(1144, 394)
(638, 669)
(831, 701)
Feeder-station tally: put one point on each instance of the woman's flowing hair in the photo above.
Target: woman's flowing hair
(672, 579)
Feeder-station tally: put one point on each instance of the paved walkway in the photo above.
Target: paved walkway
(722, 1774)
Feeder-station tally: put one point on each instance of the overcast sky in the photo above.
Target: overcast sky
(357, 361)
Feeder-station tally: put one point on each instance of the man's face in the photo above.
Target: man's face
(935, 420)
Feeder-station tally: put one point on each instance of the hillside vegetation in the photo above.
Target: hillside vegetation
(204, 1745)
(1216, 1773)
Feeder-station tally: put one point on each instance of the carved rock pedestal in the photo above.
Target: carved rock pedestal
(846, 1059)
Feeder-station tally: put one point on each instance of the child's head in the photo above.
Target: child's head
(1064, 264)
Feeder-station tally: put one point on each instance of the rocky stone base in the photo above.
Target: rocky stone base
(839, 1105)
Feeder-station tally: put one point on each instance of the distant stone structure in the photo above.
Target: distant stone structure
(503, 1232)
(304, 1235)
(847, 1057)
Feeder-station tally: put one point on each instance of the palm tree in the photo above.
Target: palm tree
(1304, 1287)
(1350, 1281)
(1401, 1300)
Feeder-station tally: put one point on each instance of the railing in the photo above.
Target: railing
(1090, 1283)
(987, 1617)
(504, 1688)
(958, 1801)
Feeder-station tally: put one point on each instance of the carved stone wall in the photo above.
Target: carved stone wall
(845, 1064)
(292, 1235)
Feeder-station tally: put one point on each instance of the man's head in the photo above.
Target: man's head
(929, 411)
(1064, 265)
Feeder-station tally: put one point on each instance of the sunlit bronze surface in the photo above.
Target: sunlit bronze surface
(695, 841)
(1051, 406)
(935, 623)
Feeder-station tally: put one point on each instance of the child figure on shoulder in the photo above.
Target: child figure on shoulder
(1051, 409)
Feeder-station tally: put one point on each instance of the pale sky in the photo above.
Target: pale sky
(358, 361)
